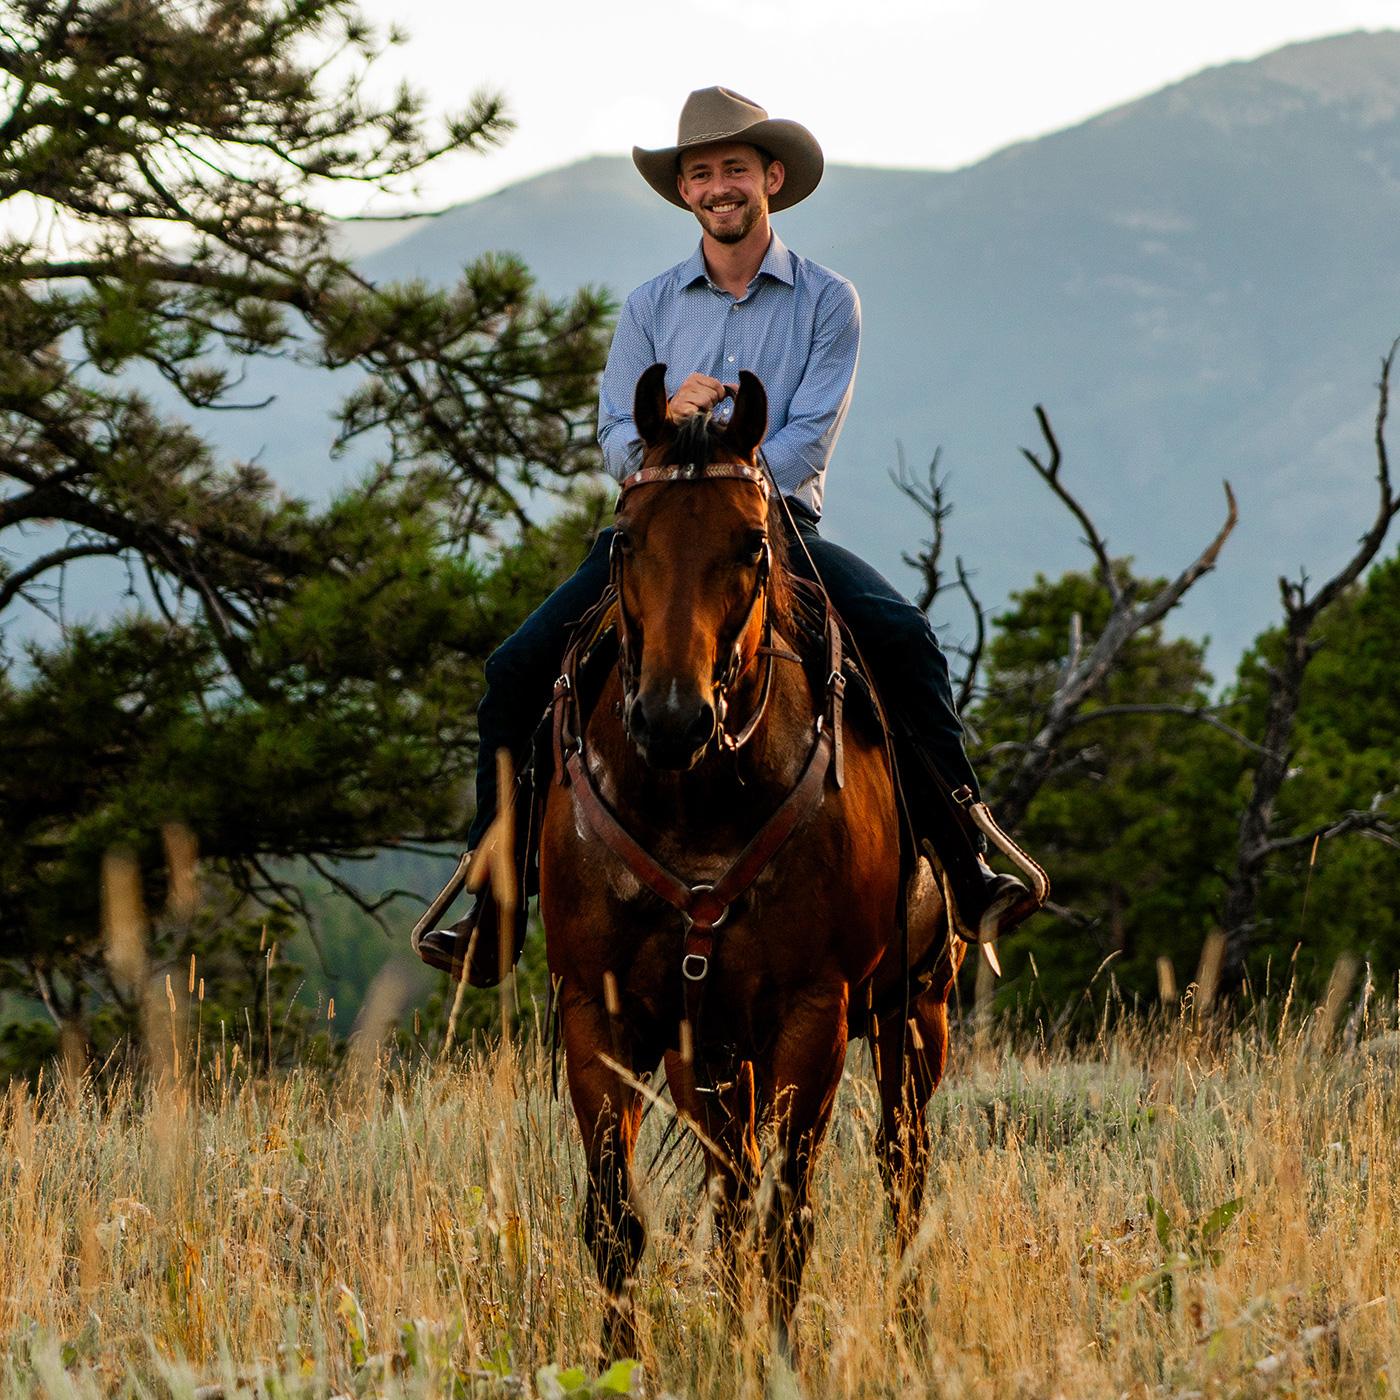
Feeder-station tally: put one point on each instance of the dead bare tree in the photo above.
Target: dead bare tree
(1257, 839)
(931, 497)
(1085, 670)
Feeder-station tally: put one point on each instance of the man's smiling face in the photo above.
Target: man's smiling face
(727, 187)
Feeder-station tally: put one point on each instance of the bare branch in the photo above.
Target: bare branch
(1373, 820)
(1081, 758)
(1071, 916)
(368, 905)
(973, 657)
(1201, 713)
(273, 888)
(1173, 593)
(931, 500)
(1006, 746)
(1050, 474)
(1080, 675)
(1076, 646)
(1386, 509)
(1285, 681)
(397, 218)
(46, 996)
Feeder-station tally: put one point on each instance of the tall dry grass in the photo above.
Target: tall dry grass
(414, 1228)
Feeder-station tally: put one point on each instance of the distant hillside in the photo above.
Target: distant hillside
(1197, 285)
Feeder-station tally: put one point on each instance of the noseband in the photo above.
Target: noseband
(727, 676)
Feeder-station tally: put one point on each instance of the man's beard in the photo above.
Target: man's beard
(739, 230)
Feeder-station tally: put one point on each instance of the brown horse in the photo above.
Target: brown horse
(720, 869)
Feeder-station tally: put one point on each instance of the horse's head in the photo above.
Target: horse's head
(694, 567)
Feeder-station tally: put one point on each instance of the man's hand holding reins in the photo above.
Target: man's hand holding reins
(696, 395)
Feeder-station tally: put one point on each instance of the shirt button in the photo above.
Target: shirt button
(731, 359)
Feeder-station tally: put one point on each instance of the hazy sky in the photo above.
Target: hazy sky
(933, 83)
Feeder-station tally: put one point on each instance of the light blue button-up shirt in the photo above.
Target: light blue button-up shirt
(797, 327)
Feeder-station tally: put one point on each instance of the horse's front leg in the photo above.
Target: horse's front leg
(799, 1083)
(609, 1113)
(907, 1082)
(724, 1117)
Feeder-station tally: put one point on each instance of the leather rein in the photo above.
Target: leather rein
(705, 906)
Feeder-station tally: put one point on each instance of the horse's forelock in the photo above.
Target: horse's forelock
(695, 440)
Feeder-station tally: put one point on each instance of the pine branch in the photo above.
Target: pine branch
(13, 585)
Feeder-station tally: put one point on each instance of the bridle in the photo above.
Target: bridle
(732, 671)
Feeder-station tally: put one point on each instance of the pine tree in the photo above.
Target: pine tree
(291, 682)
(1137, 806)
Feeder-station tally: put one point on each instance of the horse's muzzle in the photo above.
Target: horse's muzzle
(671, 730)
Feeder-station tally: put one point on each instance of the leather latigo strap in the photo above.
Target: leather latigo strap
(563, 699)
(835, 694)
(566, 720)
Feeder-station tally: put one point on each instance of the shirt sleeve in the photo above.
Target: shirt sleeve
(631, 353)
(800, 449)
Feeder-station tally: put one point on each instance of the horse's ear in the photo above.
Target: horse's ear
(749, 421)
(649, 406)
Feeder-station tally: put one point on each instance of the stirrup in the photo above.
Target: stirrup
(1020, 902)
(443, 902)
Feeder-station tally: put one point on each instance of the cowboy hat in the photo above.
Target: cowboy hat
(716, 114)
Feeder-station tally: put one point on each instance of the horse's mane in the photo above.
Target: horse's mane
(697, 438)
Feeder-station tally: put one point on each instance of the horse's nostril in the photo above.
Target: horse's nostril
(637, 722)
(702, 727)
(670, 730)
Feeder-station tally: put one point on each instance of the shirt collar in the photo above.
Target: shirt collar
(777, 264)
(777, 261)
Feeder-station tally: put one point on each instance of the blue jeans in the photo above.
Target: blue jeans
(894, 638)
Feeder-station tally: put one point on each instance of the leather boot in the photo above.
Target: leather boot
(446, 949)
(1008, 900)
(451, 949)
(1003, 901)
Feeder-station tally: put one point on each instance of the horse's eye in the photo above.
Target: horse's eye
(623, 539)
(754, 543)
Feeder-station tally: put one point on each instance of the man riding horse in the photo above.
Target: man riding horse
(743, 301)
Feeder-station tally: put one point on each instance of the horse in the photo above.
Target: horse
(720, 872)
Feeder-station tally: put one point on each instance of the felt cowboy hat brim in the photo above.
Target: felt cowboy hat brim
(714, 115)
